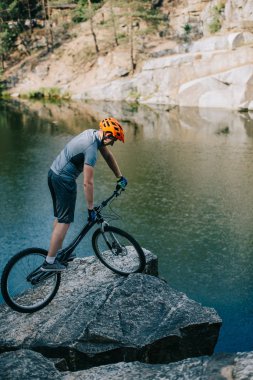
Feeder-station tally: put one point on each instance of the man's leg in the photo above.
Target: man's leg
(63, 192)
(58, 235)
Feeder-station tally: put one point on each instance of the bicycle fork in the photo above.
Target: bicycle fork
(115, 246)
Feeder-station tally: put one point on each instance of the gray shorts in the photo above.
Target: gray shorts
(63, 192)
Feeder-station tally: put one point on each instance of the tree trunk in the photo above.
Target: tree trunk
(114, 25)
(2, 61)
(30, 17)
(2, 53)
(48, 25)
(131, 41)
(91, 27)
(45, 8)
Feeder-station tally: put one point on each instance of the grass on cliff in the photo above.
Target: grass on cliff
(52, 93)
(216, 13)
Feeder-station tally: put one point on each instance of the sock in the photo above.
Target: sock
(50, 260)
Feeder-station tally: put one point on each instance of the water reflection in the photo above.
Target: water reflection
(189, 196)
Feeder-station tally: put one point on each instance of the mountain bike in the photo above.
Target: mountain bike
(26, 288)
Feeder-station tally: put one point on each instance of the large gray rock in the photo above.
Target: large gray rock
(238, 14)
(222, 42)
(99, 317)
(231, 90)
(218, 367)
(25, 364)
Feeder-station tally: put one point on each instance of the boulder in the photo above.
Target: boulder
(222, 42)
(250, 106)
(232, 90)
(191, 92)
(26, 364)
(238, 14)
(99, 317)
(220, 366)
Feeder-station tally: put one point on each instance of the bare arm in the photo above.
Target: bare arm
(88, 183)
(111, 161)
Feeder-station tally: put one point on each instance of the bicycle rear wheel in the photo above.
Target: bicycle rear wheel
(118, 251)
(24, 286)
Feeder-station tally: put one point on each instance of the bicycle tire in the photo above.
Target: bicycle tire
(121, 259)
(17, 271)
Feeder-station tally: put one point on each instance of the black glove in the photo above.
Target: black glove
(92, 215)
(121, 183)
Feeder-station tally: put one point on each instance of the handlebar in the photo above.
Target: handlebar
(103, 204)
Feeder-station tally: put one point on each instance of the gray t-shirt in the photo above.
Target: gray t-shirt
(81, 150)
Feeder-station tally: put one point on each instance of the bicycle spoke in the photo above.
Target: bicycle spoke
(118, 251)
(22, 293)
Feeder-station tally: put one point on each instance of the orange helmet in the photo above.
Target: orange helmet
(112, 125)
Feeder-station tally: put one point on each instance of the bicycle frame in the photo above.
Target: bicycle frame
(36, 276)
(66, 252)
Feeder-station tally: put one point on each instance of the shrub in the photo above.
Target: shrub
(53, 93)
(215, 25)
(216, 12)
(187, 28)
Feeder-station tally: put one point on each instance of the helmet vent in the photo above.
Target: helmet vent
(113, 126)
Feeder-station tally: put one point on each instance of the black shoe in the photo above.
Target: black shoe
(55, 267)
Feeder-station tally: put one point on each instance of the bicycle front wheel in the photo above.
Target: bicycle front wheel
(118, 251)
(24, 286)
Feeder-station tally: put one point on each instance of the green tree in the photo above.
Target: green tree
(82, 12)
(15, 17)
(134, 12)
(19, 10)
(7, 39)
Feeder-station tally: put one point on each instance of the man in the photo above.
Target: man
(79, 155)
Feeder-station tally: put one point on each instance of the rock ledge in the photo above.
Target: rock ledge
(99, 318)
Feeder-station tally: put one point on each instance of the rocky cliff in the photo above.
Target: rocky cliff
(217, 72)
(98, 318)
(194, 68)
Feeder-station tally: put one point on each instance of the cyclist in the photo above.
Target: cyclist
(79, 155)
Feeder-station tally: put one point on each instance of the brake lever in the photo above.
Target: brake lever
(118, 190)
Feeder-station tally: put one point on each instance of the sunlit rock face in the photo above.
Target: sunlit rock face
(234, 15)
(216, 72)
(232, 90)
(238, 14)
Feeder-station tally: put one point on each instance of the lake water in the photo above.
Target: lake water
(189, 198)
